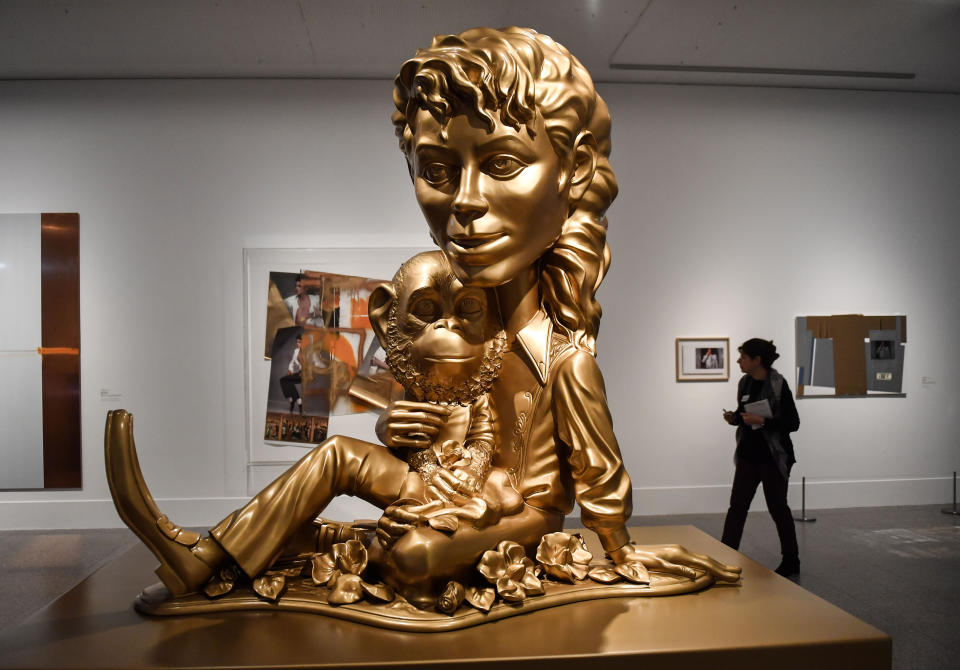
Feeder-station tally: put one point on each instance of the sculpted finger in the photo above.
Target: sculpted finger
(400, 514)
(414, 427)
(652, 562)
(386, 540)
(427, 407)
(421, 510)
(443, 486)
(415, 442)
(417, 417)
(436, 494)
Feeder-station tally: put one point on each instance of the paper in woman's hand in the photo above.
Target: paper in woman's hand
(760, 408)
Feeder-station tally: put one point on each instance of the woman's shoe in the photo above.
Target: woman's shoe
(789, 566)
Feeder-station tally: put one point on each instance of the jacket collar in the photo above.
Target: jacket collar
(534, 339)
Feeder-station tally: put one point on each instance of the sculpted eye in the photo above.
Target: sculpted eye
(437, 173)
(426, 310)
(503, 166)
(470, 308)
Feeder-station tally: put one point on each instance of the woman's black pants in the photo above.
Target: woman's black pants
(745, 481)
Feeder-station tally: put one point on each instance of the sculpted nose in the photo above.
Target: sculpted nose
(469, 203)
(447, 324)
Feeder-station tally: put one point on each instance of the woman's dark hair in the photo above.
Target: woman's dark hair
(765, 349)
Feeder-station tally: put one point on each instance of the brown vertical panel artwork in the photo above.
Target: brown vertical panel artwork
(849, 364)
(60, 326)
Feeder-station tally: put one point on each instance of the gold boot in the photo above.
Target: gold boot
(182, 570)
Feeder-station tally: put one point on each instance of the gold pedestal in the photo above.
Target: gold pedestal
(764, 622)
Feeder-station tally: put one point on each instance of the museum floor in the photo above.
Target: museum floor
(897, 568)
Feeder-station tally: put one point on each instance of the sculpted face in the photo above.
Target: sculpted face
(448, 324)
(495, 202)
(440, 336)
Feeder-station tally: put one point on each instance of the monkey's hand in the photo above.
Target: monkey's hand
(448, 484)
(411, 424)
(476, 510)
(402, 516)
(633, 561)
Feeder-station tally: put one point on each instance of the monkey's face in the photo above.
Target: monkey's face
(448, 325)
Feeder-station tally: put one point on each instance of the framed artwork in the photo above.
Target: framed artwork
(310, 305)
(851, 356)
(703, 359)
(40, 444)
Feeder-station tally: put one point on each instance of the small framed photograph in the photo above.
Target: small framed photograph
(703, 359)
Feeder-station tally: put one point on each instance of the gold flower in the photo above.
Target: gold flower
(564, 557)
(509, 569)
(341, 571)
(451, 598)
(222, 581)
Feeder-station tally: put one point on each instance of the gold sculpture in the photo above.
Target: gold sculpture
(505, 424)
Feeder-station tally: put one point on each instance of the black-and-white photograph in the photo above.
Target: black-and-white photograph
(882, 350)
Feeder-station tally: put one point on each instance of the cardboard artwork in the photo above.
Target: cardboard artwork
(325, 358)
(850, 355)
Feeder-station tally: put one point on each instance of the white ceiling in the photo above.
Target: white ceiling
(909, 45)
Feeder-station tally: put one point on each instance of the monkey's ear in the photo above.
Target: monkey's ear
(378, 307)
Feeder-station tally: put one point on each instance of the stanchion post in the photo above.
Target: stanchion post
(953, 510)
(803, 503)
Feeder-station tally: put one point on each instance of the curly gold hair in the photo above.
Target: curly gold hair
(516, 73)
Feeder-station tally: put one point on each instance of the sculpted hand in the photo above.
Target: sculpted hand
(401, 517)
(411, 424)
(674, 559)
(454, 482)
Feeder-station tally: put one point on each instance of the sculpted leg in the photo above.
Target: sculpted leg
(421, 563)
(255, 534)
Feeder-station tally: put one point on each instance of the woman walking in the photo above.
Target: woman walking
(765, 417)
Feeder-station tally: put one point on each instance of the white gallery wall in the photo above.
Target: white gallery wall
(740, 209)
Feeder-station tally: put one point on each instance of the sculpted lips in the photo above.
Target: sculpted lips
(474, 247)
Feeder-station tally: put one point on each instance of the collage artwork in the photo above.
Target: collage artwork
(325, 358)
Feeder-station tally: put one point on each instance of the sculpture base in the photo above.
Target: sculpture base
(302, 596)
(764, 622)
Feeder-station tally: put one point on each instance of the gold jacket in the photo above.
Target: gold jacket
(555, 434)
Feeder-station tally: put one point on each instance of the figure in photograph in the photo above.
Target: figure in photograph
(305, 307)
(764, 451)
(289, 382)
(708, 359)
(507, 143)
(883, 350)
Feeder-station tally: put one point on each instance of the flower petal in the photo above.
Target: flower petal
(351, 556)
(482, 599)
(218, 587)
(512, 551)
(322, 568)
(492, 565)
(380, 592)
(269, 586)
(510, 590)
(578, 571)
(446, 523)
(633, 571)
(348, 589)
(603, 574)
(561, 572)
(532, 585)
